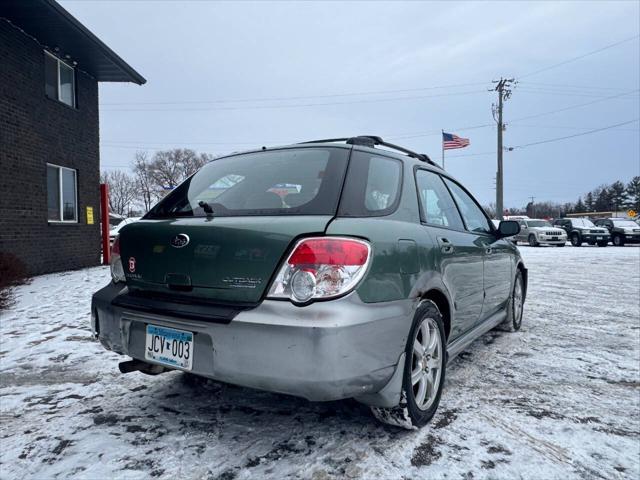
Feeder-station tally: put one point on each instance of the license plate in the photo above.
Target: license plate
(169, 346)
(598, 238)
(553, 239)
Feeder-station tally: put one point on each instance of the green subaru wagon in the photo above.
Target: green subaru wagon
(333, 269)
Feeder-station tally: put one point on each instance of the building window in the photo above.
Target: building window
(62, 198)
(60, 80)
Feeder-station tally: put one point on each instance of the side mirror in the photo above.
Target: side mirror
(524, 227)
(508, 228)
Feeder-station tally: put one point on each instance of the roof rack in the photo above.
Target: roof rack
(371, 141)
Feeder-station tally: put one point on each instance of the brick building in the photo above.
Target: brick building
(50, 66)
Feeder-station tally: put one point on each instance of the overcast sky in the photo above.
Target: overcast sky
(210, 65)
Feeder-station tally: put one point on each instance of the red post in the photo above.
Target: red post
(104, 223)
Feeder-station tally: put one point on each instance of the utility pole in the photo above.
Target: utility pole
(533, 207)
(504, 92)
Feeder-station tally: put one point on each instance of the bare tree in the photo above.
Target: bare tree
(172, 167)
(490, 209)
(144, 180)
(122, 190)
(164, 171)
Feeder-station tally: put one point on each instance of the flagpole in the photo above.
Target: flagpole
(442, 141)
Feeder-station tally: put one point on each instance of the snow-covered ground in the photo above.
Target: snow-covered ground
(560, 399)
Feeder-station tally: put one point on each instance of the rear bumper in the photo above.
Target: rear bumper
(325, 351)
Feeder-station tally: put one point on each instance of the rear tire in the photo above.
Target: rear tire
(515, 306)
(618, 241)
(424, 371)
(532, 241)
(576, 241)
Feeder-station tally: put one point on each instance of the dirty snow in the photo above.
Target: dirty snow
(560, 399)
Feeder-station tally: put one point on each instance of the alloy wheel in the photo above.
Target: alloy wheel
(518, 300)
(426, 364)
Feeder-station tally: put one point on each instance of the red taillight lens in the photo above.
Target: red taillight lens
(330, 252)
(115, 248)
(117, 272)
(321, 268)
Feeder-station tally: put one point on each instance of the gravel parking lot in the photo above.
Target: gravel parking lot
(560, 399)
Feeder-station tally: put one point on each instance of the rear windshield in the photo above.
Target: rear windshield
(303, 181)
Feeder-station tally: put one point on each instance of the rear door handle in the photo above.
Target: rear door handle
(445, 245)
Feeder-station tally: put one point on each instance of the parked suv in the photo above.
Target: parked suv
(583, 230)
(540, 232)
(622, 230)
(326, 270)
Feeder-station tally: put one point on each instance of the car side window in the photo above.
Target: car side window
(382, 184)
(472, 214)
(372, 187)
(437, 205)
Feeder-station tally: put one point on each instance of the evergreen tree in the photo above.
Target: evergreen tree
(579, 206)
(589, 202)
(567, 208)
(602, 202)
(618, 196)
(633, 194)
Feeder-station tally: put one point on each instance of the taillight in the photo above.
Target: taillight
(321, 268)
(117, 272)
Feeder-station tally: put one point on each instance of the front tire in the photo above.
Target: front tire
(532, 241)
(618, 241)
(576, 241)
(424, 371)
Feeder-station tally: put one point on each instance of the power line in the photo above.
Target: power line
(437, 132)
(302, 97)
(141, 144)
(479, 154)
(564, 85)
(588, 132)
(571, 107)
(570, 93)
(299, 105)
(579, 57)
(566, 127)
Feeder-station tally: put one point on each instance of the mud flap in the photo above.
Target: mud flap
(389, 395)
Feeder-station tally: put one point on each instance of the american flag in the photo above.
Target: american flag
(451, 141)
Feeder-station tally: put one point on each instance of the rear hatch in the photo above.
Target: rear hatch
(221, 235)
(229, 260)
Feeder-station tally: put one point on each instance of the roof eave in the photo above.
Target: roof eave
(134, 76)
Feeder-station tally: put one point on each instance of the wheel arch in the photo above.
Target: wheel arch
(441, 300)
